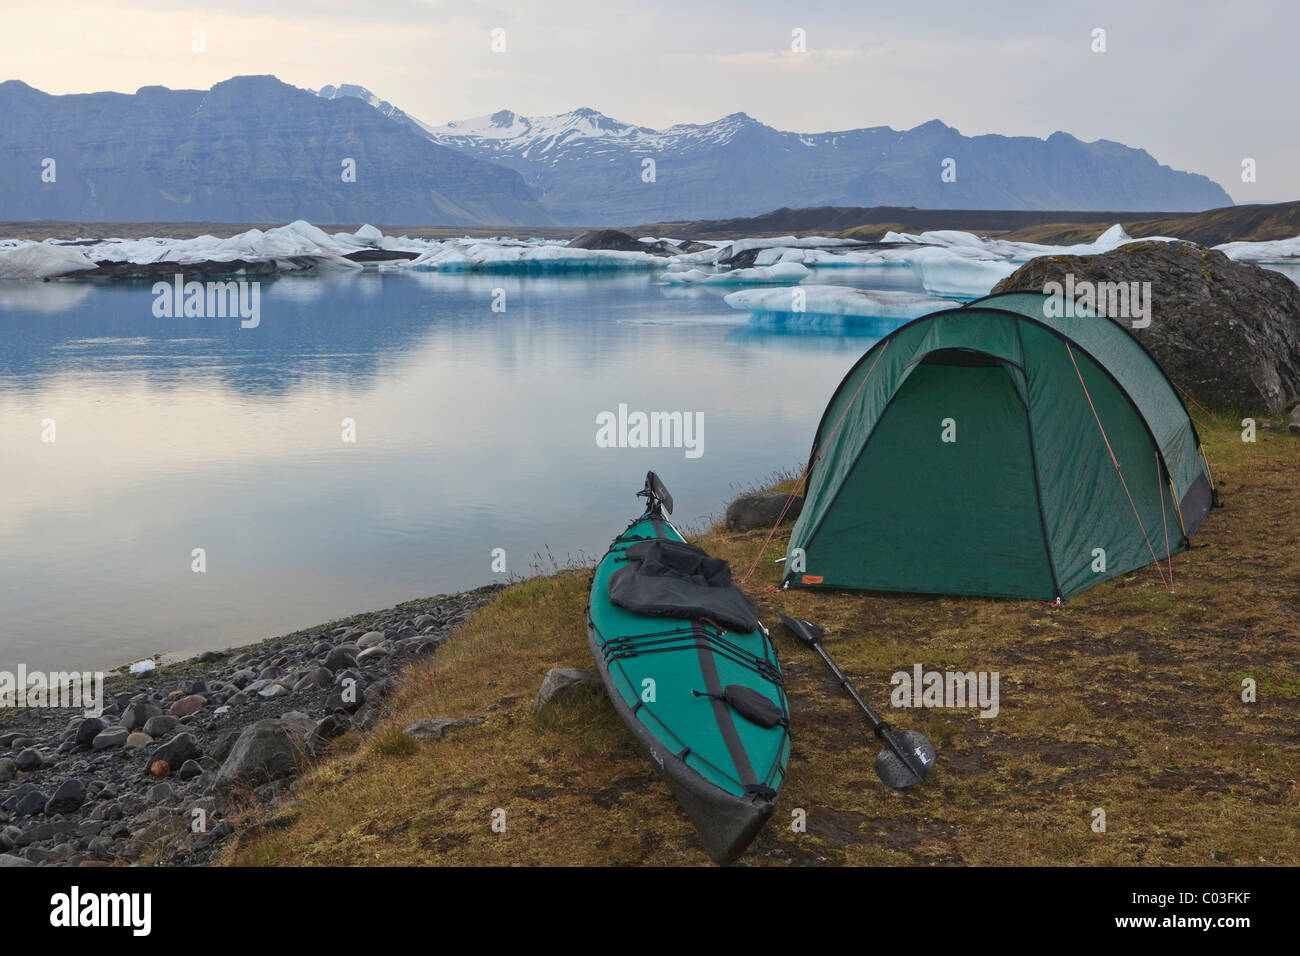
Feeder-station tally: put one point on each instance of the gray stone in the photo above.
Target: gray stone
(370, 639)
(329, 727)
(28, 759)
(110, 738)
(8, 770)
(9, 860)
(372, 655)
(760, 509)
(138, 739)
(265, 751)
(189, 770)
(317, 677)
(563, 684)
(343, 656)
(272, 690)
(434, 728)
(1294, 422)
(160, 725)
(224, 745)
(88, 730)
(161, 793)
(33, 801)
(68, 798)
(179, 749)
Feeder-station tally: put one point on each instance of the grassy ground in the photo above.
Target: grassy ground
(1126, 699)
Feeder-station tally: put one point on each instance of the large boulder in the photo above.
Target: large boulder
(760, 509)
(1227, 332)
(265, 751)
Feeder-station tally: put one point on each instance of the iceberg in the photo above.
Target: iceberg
(42, 260)
(1276, 250)
(510, 256)
(781, 272)
(832, 305)
(947, 273)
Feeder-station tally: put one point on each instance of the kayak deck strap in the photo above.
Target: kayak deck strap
(775, 771)
(662, 642)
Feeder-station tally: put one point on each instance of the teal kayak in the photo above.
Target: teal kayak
(693, 674)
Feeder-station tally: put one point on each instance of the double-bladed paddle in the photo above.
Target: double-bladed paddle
(908, 756)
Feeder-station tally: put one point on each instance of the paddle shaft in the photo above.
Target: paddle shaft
(876, 722)
(881, 728)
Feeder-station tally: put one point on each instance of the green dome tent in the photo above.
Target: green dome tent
(1019, 446)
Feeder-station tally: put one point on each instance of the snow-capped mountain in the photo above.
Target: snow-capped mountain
(588, 168)
(250, 149)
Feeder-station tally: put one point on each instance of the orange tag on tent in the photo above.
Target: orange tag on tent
(812, 579)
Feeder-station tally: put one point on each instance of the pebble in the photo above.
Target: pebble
(187, 705)
(107, 789)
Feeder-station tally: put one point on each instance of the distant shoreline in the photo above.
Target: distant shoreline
(1239, 223)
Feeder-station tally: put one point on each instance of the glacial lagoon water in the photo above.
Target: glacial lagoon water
(474, 430)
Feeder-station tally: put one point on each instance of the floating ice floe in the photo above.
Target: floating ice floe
(298, 245)
(495, 255)
(1277, 250)
(971, 246)
(781, 273)
(942, 272)
(42, 260)
(832, 305)
(958, 264)
(947, 262)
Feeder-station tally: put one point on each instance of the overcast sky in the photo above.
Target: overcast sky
(1200, 85)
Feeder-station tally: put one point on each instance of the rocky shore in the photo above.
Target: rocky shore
(178, 756)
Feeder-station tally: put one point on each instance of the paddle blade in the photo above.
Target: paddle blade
(806, 631)
(899, 773)
(656, 492)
